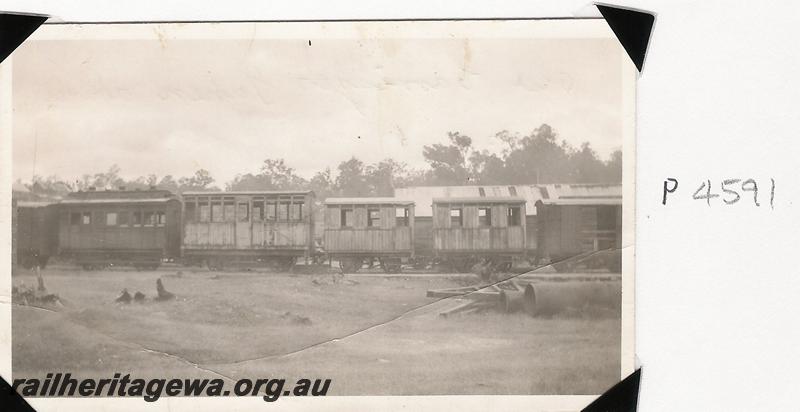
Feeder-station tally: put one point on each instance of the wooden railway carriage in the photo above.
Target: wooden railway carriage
(248, 228)
(423, 197)
(36, 233)
(365, 229)
(469, 230)
(136, 228)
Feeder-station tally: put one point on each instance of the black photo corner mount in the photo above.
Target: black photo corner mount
(622, 397)
(632, 28)
(10, 400)
(15, 28)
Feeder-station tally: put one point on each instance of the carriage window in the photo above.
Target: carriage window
(481, 192)
(230, 210)
(296, 211)
(513, 216)
(205, 213)
(512, 190)
(484, 216)
(271, 211)
(258, 209)
(161, 218)
(75, 218)
(346, 216)
(111, 219)
(455, 217)
(149, 219)
(205, 209)
(402, 214)
(283, 210)
(137, 218)
(122, 219)
(373, 217)
(216, 210)
(191, 211)
(87, 218)
(243, 214)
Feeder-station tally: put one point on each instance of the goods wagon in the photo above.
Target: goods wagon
(270, 228)
(361, 230)
(36, 235)
(130, 228)
(472, 230)
(570, 227)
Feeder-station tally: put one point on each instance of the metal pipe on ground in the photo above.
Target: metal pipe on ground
(511, 300)
(551, 298)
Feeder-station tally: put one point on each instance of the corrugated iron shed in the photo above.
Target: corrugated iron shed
(423, 196)
(367, 201)
(581, 194)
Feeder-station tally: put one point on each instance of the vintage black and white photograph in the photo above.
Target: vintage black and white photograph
(384, 208)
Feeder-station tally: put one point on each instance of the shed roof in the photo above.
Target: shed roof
(423, 196)
(582, 194)
(367, 201)
(493, 200)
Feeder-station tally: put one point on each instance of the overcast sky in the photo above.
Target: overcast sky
(176, 106)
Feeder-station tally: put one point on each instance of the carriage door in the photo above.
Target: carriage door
(243, 232)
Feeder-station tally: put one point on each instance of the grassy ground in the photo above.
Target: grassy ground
(362, 332)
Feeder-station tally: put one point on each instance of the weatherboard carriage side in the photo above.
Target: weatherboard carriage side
(270, 228)
(472, 230)
(361, 230)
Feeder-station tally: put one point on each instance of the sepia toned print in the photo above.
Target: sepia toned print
(403, 208)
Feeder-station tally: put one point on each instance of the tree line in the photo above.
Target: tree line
(537, 157)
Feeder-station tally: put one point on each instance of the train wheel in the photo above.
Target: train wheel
(391, 265)
(214, 264)
(463, 265)
(503, 267)
(350, 265)
(420, 263)
(286, 264)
